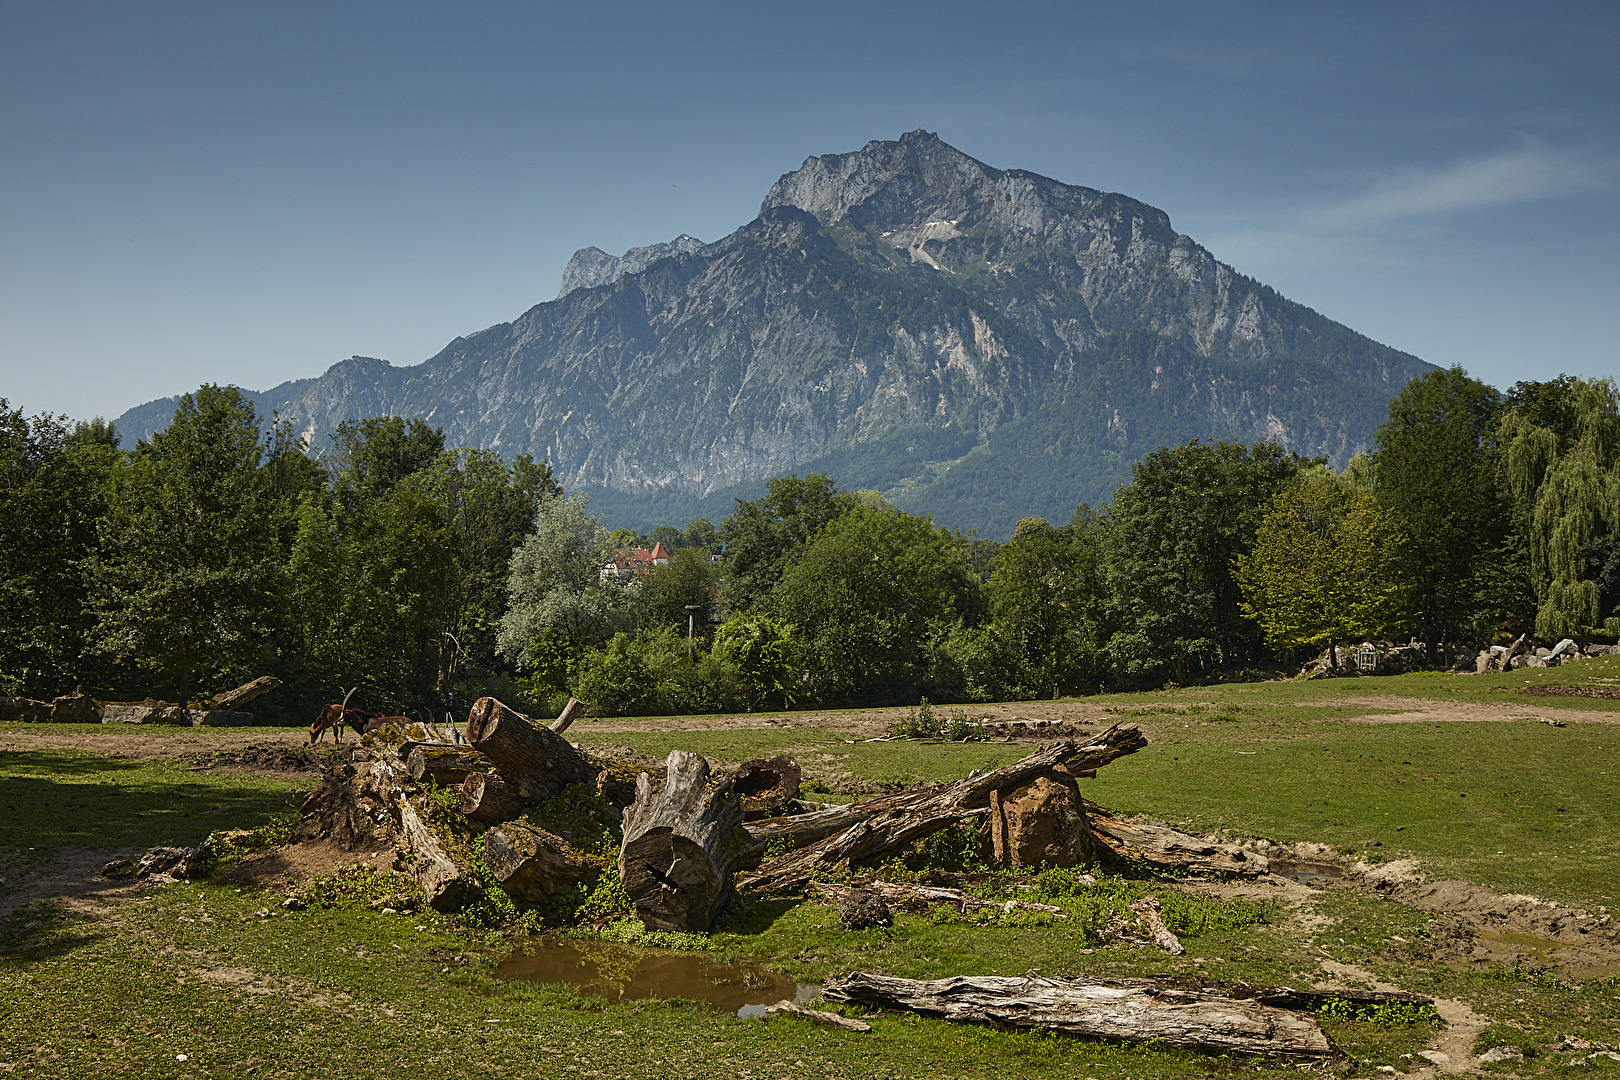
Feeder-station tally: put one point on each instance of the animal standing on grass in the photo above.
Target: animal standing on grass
(335, 717)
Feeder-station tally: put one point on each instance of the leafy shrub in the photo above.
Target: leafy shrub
(650, 675)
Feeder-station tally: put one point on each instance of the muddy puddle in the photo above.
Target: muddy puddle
(1305, 871)
(1556, 957)
(624, 972)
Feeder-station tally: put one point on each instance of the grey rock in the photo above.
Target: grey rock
(1564, 647)
(591, 267)
(1502, 1053)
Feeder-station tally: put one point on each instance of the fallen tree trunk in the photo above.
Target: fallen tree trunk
(881, 827)
(529, 755)
(233, 700)
(486, 797)
(815, 1016)
(532, 864)
(1163, 846)
(680, 843)
(1098, 1009)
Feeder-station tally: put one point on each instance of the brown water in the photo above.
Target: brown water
(1306, 872)
(624, 972)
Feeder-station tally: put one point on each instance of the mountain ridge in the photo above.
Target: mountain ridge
(985, 344)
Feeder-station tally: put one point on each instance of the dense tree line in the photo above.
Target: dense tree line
(426, 575)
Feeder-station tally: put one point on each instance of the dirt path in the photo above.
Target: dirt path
(1426, 711)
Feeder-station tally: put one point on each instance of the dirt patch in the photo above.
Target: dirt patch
(72, 877)
(141, 742)
(292, 863)
(270, 757)
(1610, 692)
(1425, 711)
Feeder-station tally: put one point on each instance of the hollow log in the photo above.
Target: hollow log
(446, 766)
(766, 784)
(1097, 1009)
(532, 864)
(486, 797)
(681, 841)
(527, 754)
(881, 827)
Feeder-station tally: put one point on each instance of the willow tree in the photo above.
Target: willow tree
(1325, 566)
(1561, 458)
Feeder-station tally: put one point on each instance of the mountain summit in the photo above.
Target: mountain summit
(979, 343)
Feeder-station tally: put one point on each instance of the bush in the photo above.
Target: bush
(650, 675)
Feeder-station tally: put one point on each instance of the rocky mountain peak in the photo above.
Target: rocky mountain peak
(592, 266)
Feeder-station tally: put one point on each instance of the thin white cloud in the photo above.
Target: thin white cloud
(1531, 172)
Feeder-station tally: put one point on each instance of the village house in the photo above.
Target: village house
(628, 564)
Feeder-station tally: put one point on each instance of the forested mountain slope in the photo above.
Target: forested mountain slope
(978, 343)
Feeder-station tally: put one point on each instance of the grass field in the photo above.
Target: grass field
(1458, 772)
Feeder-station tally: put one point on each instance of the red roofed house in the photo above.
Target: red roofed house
(629, 564)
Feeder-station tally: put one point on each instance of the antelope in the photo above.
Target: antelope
(335, 717)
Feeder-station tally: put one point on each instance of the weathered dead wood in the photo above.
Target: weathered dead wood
(785, 1007)
(532, 864)
(445, 765)
(486, 797)
(884, 826)
(681, 840)
(1150, 922)
(1163, 846)
(922, 896)
(527, 754)
(369, 808)
(233, 700)
(1098, 1009)
(766, 785)
(569, 714)
(26, 710)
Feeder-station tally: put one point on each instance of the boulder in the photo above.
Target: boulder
(76, 708)
(863, 910)
(1566, 647)
(26, 710)
(1042, 823)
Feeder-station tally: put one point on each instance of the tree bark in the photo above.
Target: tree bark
(766, 784)
(1164, 846)
(1098, 1009)
(526, 753)
(486, 797)
(444, 765)
(681, 841)
(881, 827)
(532, 864)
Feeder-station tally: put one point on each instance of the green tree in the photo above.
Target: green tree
(1434, 473)
(1324, 567)
(764, 537)
(688, 579)
(1046, 596)
(53, 483)
(760, 648)
(1561, 461)
(1168, 547)
(379, 452)
(870, 594)
(185, 582)
(554, 589)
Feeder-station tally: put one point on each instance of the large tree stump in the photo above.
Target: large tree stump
(532, 865)
(681, 841)
(1114, 1009)
(529, 755)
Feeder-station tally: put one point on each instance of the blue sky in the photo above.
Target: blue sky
(250, 193)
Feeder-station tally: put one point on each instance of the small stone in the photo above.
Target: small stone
(1502, 1053)
(1435, 1057)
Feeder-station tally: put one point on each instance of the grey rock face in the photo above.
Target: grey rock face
(592, 266)
(977, 343)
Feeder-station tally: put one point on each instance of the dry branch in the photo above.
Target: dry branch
(924, 895)
(816, 1016)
